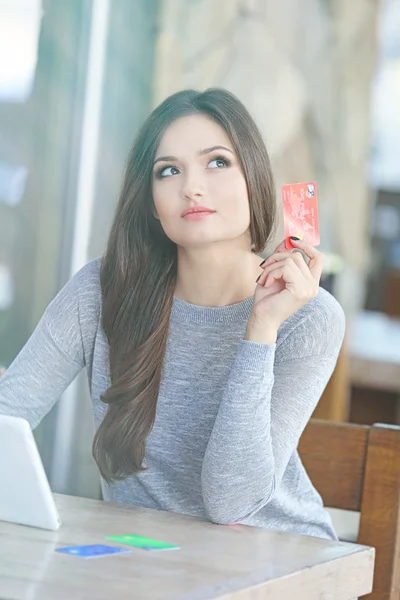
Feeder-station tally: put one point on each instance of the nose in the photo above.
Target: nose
(193, 187)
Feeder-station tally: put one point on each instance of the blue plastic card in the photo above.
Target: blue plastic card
(92, 551)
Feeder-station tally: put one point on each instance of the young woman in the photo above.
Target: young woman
(204, 366)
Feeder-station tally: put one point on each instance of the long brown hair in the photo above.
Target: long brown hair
(138, 273)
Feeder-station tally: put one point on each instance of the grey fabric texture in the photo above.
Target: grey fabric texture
(230, 412)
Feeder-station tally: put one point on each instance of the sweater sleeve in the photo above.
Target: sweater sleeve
(271, 393)
(49, 361)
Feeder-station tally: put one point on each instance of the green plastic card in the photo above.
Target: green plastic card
(144, 543)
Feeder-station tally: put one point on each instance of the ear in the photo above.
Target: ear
(154, 211)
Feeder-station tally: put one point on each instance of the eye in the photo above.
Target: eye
(167, 172)
(219, 163)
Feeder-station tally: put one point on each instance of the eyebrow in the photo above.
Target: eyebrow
(199, 153)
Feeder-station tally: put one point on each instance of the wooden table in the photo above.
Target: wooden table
(369, 360)
(375, 352)
(374, 368)
(227, 562)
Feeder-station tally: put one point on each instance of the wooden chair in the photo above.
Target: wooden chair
(357, 468)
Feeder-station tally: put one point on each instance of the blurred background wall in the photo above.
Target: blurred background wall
(304, 71)
(77, 79)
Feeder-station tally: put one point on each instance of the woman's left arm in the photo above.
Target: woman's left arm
(270, 396)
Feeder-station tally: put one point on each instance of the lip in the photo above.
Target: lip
(197, 210)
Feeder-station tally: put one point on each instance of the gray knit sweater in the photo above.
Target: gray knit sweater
(230, 412)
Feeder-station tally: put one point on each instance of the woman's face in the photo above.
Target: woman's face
(196, 166)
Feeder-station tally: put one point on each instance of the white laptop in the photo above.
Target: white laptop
(25, 494)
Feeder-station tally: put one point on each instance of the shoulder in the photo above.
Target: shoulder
(87, 279)
(80, 298)
(83, 285)
(315, 329)
(73, 316)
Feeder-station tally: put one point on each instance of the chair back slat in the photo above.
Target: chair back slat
(334, 456)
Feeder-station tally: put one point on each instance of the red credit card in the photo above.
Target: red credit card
(300, 212)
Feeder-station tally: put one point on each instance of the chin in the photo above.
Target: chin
(204, 237)
(197, 243)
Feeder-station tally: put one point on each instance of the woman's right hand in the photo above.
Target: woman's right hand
(287, 283)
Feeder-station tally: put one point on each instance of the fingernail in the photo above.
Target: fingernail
(261, 264)
(296, 239)
(258, 277)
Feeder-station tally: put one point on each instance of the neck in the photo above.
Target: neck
(216, 277)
